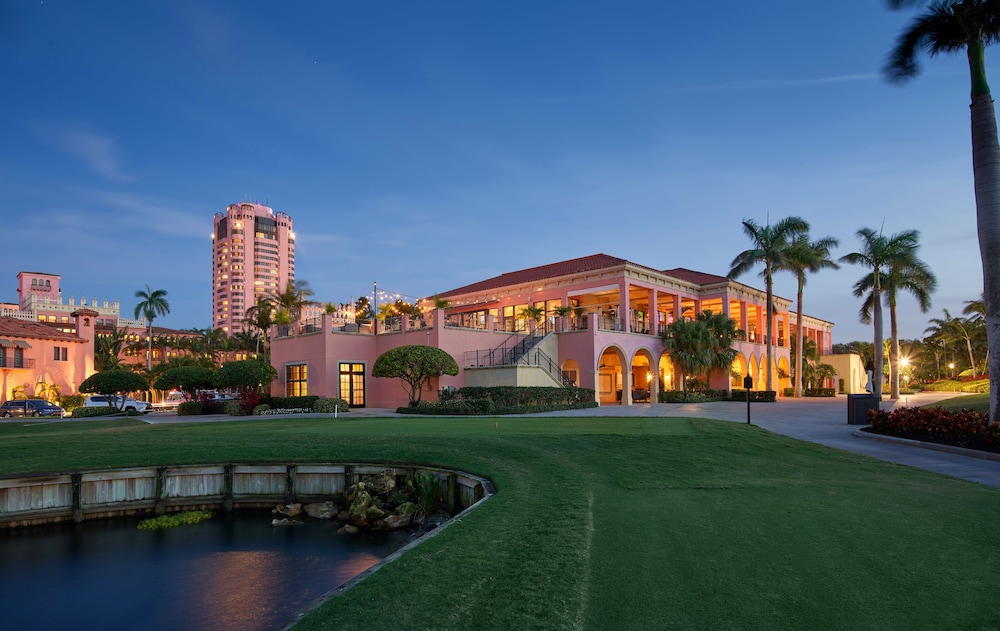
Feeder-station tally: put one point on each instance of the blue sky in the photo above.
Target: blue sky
(428, 145)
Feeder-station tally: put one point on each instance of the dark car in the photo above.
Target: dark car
(29, 407)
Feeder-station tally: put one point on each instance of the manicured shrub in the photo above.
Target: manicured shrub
(82, 412)
(759, 396)
(234, 408)
(70, 402)
(330, 405)
(788, 392)
(677, 396)
(819, 392)
(190, 408)
(260, 409)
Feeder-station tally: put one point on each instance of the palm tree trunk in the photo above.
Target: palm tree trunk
(879, 350)
(986, 168)
(769, 312)
(798, 344)
(149, 354)
(893, 354)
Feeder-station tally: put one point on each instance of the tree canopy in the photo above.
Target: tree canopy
(248, 374)
(188, 379)
(414, 365)
(113, 383)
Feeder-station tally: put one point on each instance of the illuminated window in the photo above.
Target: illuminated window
(296, 380)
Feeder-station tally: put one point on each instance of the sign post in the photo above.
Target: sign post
(747, 384)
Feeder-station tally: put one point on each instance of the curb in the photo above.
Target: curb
(948, 449)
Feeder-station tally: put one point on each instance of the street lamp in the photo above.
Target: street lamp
(951, 367)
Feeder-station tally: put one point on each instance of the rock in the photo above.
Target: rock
(344, 515)
(348, 529)
(284, 521)
(382, 483)
(321, 510)
(288, 510)
(393, 522)
(407, 508)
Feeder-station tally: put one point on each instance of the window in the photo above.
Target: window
(296, 380)
(352, 384)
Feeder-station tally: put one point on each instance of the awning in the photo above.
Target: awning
(21, 344)
(6, 343)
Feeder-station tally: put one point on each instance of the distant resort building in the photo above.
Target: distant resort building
(598, 326)
(253, 256)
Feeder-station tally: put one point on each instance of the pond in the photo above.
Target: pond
(232, 572)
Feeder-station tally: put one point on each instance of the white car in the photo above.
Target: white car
(128, 405)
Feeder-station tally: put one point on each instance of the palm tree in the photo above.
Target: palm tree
(688, 342)
(722, 331)
(260, 317)
(805, 256)
(770, 247)
(294, 298)
(152, 304)
(907, 273)
(108, 348)
(968, 25)
(956, 330)
(882, 254)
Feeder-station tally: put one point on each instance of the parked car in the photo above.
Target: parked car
(30, 407)
(129, 404)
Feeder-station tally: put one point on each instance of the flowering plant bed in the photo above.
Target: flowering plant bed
(964, 428)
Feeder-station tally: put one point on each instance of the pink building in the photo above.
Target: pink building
(40, 299)
(599, 323)
(34, 353)
(253, 255)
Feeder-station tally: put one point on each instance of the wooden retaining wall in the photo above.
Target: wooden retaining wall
(49, 498)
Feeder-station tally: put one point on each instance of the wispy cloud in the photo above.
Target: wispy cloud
(755, 84)
(153, 214)
(97, 151)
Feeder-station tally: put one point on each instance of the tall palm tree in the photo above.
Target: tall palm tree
(880, 254)
(904, 273)
(806, 256)
(152, 304)
(968, 25)
(770, 247)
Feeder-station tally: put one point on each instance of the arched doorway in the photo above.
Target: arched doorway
(571, 371)
(643, 380)
(610, 376)
(665, 374)
(738, 371)
(782, 378)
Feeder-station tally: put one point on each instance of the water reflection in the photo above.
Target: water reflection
(233, 572)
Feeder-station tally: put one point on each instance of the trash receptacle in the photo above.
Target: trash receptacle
(858, 406)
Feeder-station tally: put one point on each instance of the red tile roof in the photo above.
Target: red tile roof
(12, 327)
(590, 263)
(691, 276)
(573, 266)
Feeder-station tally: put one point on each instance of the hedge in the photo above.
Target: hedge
(511, 396)
(819, 392)
(104, 410)
(292, 402)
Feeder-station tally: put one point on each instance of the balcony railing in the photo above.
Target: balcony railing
(17, 362)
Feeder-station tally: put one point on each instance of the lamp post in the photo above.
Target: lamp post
(951, 367)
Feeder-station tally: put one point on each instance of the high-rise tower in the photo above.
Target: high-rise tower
(253, 255)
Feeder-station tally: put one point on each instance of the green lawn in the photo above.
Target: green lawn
(978, 402)
(613, 523)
